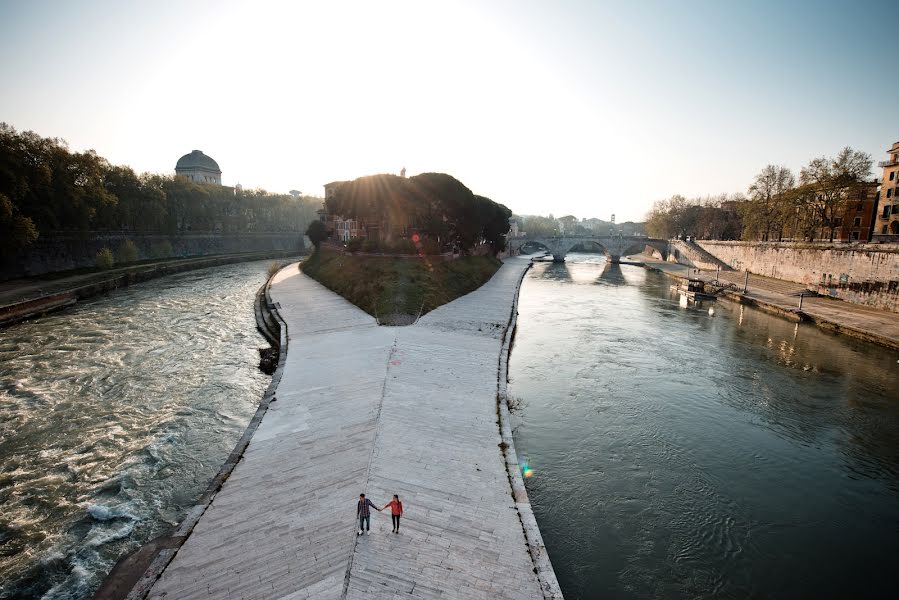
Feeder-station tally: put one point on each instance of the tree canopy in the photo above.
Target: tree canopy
(46, 190)
(436, 204)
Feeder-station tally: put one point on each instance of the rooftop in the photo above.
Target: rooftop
(197, 160)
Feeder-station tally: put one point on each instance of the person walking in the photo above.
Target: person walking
(396, 511)
(364, 514)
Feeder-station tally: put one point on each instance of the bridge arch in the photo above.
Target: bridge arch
(613, 247)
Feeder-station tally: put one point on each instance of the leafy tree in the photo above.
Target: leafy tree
(457, 204)
(16, 230)
(317, 233)
(495, 223)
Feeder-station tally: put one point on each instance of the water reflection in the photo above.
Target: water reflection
(612, 274)
(683, 454)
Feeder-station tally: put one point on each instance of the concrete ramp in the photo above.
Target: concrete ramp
(381, 410)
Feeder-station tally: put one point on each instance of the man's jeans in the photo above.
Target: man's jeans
(366, 521)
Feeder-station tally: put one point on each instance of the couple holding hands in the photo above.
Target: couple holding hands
(362, 511)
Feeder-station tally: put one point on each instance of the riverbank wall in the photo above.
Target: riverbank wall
(70, 251)
(851, 321)
(865, 274)
(542, 565)
(413, 411)
(93, 284)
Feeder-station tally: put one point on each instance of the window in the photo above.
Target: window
(883, 229)
(858, 221)
(837, 221)
(854, 236)
(858, 206)
(896, 209)
(886, 211)
(892, 175)
(889, 193)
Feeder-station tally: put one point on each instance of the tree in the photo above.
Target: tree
(456, 204)
(494, 220)
(16, 231)
(659, 223)
(317, 233)
(833, 181)
(766, 212)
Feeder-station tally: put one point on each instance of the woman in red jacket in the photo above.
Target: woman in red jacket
(396, 511)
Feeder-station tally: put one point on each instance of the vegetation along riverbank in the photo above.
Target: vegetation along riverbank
(396, 290)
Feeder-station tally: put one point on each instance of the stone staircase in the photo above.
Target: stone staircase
(766, 284)
(696, 256)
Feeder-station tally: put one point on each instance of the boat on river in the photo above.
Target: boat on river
(693, 289)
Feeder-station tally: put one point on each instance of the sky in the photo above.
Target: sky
(564, 107)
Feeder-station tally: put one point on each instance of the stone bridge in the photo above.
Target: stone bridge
(613, 246)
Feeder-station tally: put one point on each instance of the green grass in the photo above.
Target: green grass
(388, 287)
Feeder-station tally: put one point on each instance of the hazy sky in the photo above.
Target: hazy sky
(590, 108)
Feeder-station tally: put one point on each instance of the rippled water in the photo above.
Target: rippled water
(679, 454)
(114, 416)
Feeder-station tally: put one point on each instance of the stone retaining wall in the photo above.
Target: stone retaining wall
(67, 252)
(865, 274)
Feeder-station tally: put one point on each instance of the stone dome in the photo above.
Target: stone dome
(197, 160)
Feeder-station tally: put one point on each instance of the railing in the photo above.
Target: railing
(888, 163)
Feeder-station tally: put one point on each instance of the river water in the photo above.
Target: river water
(678, 454)
(114, 416)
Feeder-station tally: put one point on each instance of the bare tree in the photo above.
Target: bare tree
(764, 214)
(833, 180)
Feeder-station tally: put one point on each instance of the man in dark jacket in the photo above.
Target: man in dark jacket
(363, 513)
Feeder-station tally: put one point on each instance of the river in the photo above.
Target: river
(677, 453)
(114, 416)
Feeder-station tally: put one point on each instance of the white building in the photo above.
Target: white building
(199, 168)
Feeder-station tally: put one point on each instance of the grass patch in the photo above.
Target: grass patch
(388, 287)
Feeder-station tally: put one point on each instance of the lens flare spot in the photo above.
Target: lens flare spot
(528, 472)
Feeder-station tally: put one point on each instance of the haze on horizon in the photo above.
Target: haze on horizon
(584, 108)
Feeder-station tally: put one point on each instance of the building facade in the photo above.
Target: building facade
(199, 168)
(886, 224)
(856, 224)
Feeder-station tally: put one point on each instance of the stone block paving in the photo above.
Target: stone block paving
(384, 410)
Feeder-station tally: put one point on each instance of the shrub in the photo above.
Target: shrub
(162, 249)
(371, 246)
(354, 245)
(317, 233)
(273, 267)
(127, 252)
(104, 259)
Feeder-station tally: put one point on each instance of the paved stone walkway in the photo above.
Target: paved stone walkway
(880, 326)
(384, 410)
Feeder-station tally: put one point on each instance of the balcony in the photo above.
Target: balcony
(888, 163)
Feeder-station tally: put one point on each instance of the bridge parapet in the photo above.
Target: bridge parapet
(614, 247)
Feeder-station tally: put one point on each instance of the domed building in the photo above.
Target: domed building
(199, 168)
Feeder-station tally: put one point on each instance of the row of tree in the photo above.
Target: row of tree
(435, 205)
(538, 226)
(710, 218)
(777, 207)
(46, 190)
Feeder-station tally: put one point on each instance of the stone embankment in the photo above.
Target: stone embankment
(866, 274)
(358, 408)
(24, 299)
(782, 298)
